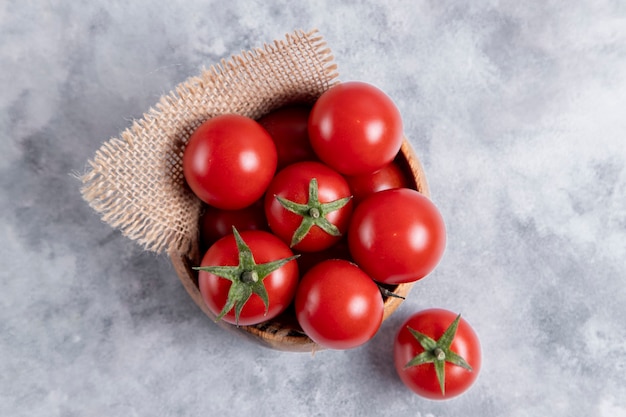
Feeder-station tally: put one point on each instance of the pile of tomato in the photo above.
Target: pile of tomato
(308, 208)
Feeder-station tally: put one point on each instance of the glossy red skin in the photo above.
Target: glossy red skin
(388, 177)
(338, 306)
(292, 183)
(355, 128)
(281, 284)
(288, 127)
(216, 223)
(229, 161)
(422, 379)
(397, 236)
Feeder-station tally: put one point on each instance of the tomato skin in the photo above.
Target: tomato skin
(338, 306)
(292, 183)
(388, 177)
(355, 128)
(397, 236)
(422, 379)
(216, 223)
(280, 285)
(288, 127)
(229, 161)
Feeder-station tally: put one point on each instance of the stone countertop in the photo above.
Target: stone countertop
(516, 111)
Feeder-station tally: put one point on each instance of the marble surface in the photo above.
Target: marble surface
(516, 110)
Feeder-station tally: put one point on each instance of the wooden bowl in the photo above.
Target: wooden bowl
(135, 181)
(283, 332)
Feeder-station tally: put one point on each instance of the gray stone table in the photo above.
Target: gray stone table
(517, 111)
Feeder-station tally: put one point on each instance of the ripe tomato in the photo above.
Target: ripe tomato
(308, 205)
(339, 250)
(388, 177)
(288, 128)
(437, 354)
(229, 161)
(258, 265)
(338, 306)
(355, 128)
(397, 236)
(216, 223)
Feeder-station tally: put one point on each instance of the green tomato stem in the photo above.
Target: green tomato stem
(250, 276)
(440, 354)
(314, 212)
(246, 278)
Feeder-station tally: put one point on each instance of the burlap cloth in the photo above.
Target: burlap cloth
(135, 181)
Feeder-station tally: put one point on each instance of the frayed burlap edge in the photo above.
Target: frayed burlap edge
(135, 181)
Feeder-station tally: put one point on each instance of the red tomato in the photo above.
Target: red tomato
(455, 375)
(388, 177)
(355, 128)
(338, 306)
(264, 252)
(216, 223)
(288, 128)
(339, 250)
(229, 161)
(323, 213)
(397, 236)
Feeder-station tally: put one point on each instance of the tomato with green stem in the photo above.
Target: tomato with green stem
(437, 354)
(249, 277)
(309, 206)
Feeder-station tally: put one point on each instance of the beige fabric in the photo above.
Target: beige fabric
(135, 181)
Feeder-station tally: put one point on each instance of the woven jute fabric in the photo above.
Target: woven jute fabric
(135, 181)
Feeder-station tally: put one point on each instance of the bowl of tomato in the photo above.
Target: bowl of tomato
(293, 207)
(323, 223)
(284, 332)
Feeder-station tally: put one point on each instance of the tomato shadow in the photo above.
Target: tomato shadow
(379, 354)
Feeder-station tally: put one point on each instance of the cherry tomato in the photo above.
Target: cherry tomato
(388, 177)
(338, 306)
(288, 128)
(432, 339)
(229, 161)
(355, 128)
(216, 223)
(397, 236)
(339, 250)
(308, 205)
(260, 265)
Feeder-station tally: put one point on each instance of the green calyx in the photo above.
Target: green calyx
(438, 352)
(313, 213)
(246, 278)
